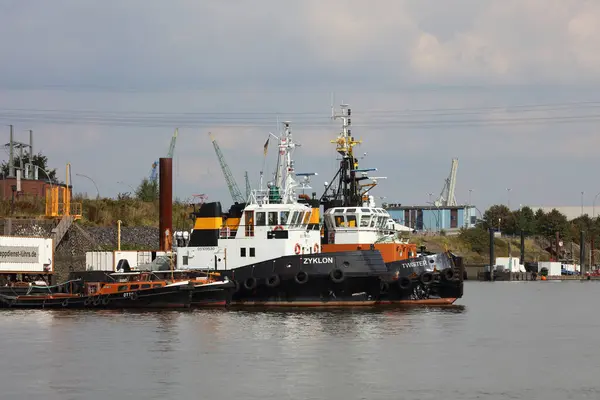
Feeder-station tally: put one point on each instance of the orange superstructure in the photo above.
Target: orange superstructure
(389, 251)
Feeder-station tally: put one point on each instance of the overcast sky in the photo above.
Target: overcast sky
(510, 88)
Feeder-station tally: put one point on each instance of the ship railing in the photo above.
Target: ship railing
(262, 196)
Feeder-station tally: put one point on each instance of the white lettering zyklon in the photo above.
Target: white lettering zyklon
(321, 260)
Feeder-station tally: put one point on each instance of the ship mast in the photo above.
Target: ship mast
(283, 187)
(347, 192)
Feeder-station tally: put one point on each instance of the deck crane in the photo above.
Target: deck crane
(236, 194)
(154, 171)
(447, 198)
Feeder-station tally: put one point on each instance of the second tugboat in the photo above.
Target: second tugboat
(352, 222)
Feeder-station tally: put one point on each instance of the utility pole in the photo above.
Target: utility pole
(11, 160)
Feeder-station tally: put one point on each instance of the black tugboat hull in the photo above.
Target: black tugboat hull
(435, 279)
(217, 294)
(179, 297)
(316, 280)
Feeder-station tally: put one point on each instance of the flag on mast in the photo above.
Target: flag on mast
(266, 146)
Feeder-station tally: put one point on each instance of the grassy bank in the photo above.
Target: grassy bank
(474, 246)
(106, 212)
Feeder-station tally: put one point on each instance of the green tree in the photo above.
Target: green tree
(499, 216)
(147, 190)
(553, 222)
(38, 160)
(525, 220)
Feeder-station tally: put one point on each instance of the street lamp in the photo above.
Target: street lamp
(85, 176)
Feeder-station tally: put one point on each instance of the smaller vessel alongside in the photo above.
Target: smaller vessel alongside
(124, 290)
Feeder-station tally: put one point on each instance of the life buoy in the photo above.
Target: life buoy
(250, 283)
(336, 275)
(426, 278)
(297, 248)
(448, 274)
(301, 277)
(278, 228)
(273, 281)
(404, 282)
(316, 248)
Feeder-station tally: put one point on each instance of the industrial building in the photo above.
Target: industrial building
(432, 218)
(441, 214)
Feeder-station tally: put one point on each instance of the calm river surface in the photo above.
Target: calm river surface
(519, 340)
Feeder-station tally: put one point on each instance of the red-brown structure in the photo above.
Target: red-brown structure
(166, 203)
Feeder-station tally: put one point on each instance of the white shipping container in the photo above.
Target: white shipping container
(26, 254)
(553, 267)
(99, 261)
(109, 260)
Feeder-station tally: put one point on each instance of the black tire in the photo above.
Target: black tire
(96, 301)
(448, 274)
(301, 277)
(105, 301)
(337, 275)
(250, 283)
(134, 296)
(426, 278)
(273, 281)
(65, 302)
(404, 282)
(87, 301)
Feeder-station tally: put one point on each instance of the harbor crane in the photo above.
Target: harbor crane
(447, 198)
(154, 171)
(234, 190)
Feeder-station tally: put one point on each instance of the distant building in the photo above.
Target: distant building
(29, 188)
(433, 219)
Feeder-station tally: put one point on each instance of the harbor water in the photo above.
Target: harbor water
(504, 340)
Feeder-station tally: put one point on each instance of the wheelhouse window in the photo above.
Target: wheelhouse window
(306, 219)
(340, 221)
(283, 217)
(351, 221)
(260, 218)
(295, 218)
(365, 219)
(272, 218)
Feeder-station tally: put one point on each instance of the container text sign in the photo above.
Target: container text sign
(19, 254)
